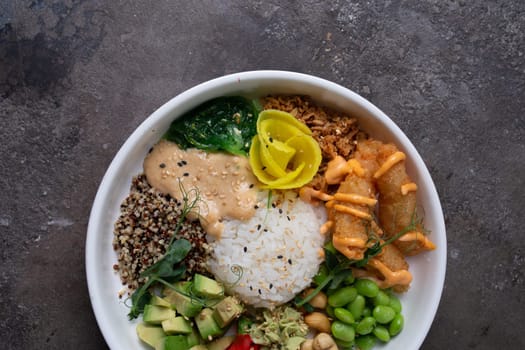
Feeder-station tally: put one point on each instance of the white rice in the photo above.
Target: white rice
(276, 252)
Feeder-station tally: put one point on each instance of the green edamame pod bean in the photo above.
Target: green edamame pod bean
(367, 288)
(344, 315)
(365, 342)
(396, 325)
(367, 312)
(357, 306)
(343, 331)
(330, 311)
(345, 345)
(381, 299)
(383, 314)
(365, 326)
(395, 304)
(381, 333)
(342, 296)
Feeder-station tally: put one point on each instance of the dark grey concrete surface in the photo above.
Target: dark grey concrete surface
(76, 78)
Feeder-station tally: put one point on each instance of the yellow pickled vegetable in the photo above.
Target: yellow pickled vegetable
(283, 154)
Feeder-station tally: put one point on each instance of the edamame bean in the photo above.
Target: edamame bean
(366, 342)
(330, 311)
(367, 312)
(382, 333)
(365, 326)
(343, 331)
(345, 345)
(357, 306)
(383, 314)
(381, 299)
(342, 296)
(395, 304)
(396, 325)
(367, 288)
(344, 315)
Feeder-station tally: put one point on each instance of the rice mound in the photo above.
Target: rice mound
(270, 258)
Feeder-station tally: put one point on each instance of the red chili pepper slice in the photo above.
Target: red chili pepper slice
(243, 342)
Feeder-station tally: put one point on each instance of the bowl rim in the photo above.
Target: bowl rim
(190, 97)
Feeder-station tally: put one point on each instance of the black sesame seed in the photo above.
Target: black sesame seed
(273, 205)
(280, 211)
(184, 162)
(271, 286)
(265, 230)
(251, 185)
(271, 139)
(260, 292)
(263, 168)
(256, 207)
(259, 227)
(279, 256)
(179, 163)
(288, 218)
(150, 150)
(290, 261)
(186, 174)
(251, 288)
(245, 249)
(162, 165)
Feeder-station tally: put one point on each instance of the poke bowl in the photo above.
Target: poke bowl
(236, 262)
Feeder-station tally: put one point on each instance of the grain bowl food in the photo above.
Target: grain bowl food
(271, 230)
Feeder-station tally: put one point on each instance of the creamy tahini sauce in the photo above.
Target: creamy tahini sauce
(225, 182)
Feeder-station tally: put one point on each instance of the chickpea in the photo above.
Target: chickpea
(318, 321)
(323, 341)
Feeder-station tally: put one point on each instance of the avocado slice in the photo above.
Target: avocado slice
(154, 314)
(150, 334)
(176, 342)
(183, 304)
(177, 325)
(222, 343)
(227, 310)
(206, 325)
(194, 338)
(207, 287)
(156, 300)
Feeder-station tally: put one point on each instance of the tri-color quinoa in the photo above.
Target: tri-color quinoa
(144, 229)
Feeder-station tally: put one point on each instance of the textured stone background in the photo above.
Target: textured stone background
(77, 77)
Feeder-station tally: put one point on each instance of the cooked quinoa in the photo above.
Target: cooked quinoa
(144, 229)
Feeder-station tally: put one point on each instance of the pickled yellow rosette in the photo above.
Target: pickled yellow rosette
(283, 154)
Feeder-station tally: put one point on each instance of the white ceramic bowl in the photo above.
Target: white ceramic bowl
(419, 303)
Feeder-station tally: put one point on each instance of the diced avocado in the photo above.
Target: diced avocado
(199, 347)
(206, 287)
(182, 286)
(156, 300)
(176, 342)
(183, 304)
(177, 325)
(150, 334)
(207, 326)
(194, 338)
(154, 314)
(227, 310)
(222, 343)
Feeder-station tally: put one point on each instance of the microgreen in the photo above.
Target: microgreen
(171, 265)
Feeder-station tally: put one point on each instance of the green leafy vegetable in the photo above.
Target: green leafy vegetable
(222, 124)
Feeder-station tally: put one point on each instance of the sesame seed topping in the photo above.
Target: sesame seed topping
(162, 165)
